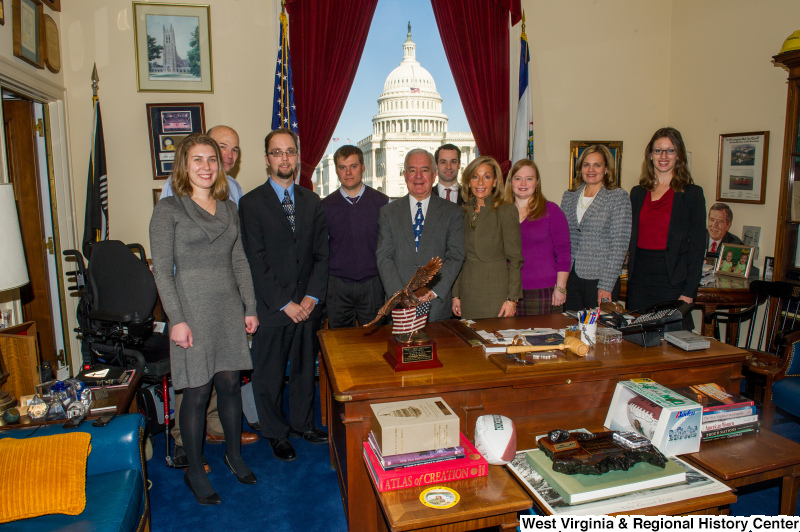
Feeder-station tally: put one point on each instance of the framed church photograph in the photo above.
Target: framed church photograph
(173, 47)
(576, 148)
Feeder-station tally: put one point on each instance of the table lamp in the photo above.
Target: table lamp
(13, 269)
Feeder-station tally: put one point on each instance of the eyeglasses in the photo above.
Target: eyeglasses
(278, 153)
(669, 151)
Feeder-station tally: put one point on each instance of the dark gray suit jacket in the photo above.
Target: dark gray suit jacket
(442, 236)
(286, 265)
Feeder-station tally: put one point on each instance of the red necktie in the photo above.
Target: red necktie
(713, 247)
(448, 194)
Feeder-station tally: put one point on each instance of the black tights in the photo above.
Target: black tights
(192, 419)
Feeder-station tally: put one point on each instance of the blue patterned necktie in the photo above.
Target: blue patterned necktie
(418, 222)
(288, 208)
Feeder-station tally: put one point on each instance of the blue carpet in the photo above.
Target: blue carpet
(299, 495)
(304, 494)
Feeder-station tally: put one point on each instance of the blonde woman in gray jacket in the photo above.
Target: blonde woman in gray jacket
(599, 217)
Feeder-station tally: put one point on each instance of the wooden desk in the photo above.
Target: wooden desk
(353, 374)
(751, 459)
(493, 500)
(723, 292)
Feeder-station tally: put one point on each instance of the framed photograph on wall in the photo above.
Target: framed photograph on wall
(742, 167)
(576, 148)
(173, 47)
(26, 16)
(735, 260)
(168, 124)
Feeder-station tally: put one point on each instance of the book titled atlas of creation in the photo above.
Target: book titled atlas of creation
(576, 489)
(415, 425)
(472, 465)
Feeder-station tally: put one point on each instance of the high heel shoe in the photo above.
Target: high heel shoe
(247, 479)
(208, 500)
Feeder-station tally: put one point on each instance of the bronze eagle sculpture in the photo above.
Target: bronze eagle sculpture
(406, 297)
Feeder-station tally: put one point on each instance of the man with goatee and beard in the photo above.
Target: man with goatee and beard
(285, 239)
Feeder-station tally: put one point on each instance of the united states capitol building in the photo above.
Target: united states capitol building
(409, 116)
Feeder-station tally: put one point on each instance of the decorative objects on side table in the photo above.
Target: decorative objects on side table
(168, 124)
(173, 47)
(742, 167)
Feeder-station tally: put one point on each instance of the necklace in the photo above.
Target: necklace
(585, 205)
(208, 206)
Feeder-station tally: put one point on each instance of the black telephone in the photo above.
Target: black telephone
(646, 329)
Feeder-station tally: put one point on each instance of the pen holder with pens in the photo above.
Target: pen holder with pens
(587, 324)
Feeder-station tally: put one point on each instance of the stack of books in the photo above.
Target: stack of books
(416, 443)
(421, 468)
(725, 415)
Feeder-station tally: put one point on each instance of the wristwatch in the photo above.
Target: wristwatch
(511, 300)
(559, 289)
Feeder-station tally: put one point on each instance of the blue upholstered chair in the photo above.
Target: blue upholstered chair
(116, 486)
(783, 385)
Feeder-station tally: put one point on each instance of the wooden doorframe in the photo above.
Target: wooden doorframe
(53, 98)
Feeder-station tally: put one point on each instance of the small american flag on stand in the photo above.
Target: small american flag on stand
(408, 320)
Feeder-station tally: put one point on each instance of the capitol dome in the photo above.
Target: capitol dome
(409, 102)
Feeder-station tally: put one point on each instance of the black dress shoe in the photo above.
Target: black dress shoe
(282, 449)
(247, 479)
(208, 500)
(180, 460)
(311, 436)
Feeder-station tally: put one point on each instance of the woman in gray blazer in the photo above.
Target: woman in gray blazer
(206, 289)
(490, 284)
(599, 217)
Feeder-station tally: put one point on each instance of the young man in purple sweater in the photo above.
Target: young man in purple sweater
(354, 288)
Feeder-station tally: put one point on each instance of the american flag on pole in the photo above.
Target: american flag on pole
(412, 319)
(414, 89)
(284, 113)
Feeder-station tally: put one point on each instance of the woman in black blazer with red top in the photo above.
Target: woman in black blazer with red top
(668, 227)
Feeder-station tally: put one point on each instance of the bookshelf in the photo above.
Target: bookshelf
(787, 252)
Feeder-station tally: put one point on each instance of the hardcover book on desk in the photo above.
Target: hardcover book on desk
(416, 425)
(666, 418)
(472, 465)
(577, 489)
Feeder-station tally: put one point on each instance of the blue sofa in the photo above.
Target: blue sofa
(116, 492)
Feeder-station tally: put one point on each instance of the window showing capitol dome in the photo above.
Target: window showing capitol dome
(409, 116)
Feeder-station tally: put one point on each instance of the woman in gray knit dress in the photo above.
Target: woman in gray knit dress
(204, 281)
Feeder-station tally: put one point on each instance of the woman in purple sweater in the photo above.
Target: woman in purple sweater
(545, 242)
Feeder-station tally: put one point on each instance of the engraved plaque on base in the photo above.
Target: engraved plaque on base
(404, 356)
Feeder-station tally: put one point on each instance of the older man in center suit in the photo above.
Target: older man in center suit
(417, 228)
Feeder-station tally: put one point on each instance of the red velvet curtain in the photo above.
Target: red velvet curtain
(475, 38)
(326, 40)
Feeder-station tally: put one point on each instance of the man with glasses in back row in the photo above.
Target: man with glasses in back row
(285, 238)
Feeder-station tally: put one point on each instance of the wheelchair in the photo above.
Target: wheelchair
(118, 294)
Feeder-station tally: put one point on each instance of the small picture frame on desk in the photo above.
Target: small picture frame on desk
(769, 267)
(734, 260)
